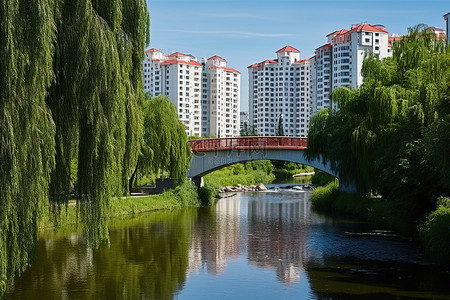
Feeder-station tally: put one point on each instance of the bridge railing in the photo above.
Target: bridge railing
(249, 143)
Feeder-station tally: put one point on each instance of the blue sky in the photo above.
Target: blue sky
(248, 31)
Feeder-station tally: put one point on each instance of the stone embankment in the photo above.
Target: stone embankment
(243, 188)
(261, 187)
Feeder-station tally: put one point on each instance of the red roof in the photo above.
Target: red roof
(288, 49)
(263, 62)
(394, 38)
(366, 27)
(177, 54)
(435, 28)
(303, 61)
(227, 69)
(342, 31)
(157, 59)
(217, 57)
(152, 50)
(328, 45)
(176, 61)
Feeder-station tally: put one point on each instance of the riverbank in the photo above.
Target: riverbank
(254, 172)
(185, 195)
(249, 175)
(433, 232)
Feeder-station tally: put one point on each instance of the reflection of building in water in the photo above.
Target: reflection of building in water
(277, 236)
(216, 239)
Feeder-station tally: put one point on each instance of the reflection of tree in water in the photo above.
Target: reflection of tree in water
(147, 258)
(338, 277)
(277, 236)
(216, 237)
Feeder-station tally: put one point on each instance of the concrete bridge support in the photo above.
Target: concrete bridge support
(347, 187)
(198, 181)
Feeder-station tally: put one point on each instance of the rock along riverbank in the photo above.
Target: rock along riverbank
(261, 187)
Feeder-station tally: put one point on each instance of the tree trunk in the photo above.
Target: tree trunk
(130, 182)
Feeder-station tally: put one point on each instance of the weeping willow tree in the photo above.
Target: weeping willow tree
(166, 148)
(70, 87)
(95, 100)
(395, 127)
(27, 33)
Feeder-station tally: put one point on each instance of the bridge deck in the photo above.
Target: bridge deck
(249, 143)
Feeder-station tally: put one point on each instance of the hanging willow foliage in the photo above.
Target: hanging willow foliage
(95, 101)
(86, 55)
(397, 123)
(27, 33)
(166, 148)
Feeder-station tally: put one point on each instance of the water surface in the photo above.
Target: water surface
(266, 245)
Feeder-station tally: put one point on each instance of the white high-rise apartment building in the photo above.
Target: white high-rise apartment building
(280, 88)
(244, 120)
(321, 78)
(220, 98)
(339, 62)
(206, 94)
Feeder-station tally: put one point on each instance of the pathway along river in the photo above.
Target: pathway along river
(262, 245)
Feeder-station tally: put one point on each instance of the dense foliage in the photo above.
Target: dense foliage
(95, 101)
(27, 143)
(392, 135)
(286, 169)
(435, 232)
(70, 88)
(165, 148)
(252, 172)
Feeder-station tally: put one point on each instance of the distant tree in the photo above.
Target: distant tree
(165, 146)
(280, 131)
(244, 130)
(253, 131)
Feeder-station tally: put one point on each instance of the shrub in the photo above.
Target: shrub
(382, 214)
(322, 198)
(434, 232)
(186, 193)
(207, 194)
(282, 174)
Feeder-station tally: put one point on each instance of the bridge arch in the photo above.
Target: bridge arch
(213, 154)
(204, 163)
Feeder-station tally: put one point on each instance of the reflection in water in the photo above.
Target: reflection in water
(277, 234)
(216, 237)
(275, 237)
(252, 245)
(147, 258)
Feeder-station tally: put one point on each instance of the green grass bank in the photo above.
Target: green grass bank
(433, 232)
(182, 196)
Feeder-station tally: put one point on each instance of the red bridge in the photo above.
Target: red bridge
(213, 154)
(249, 143)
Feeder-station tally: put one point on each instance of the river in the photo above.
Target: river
(259, 245)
